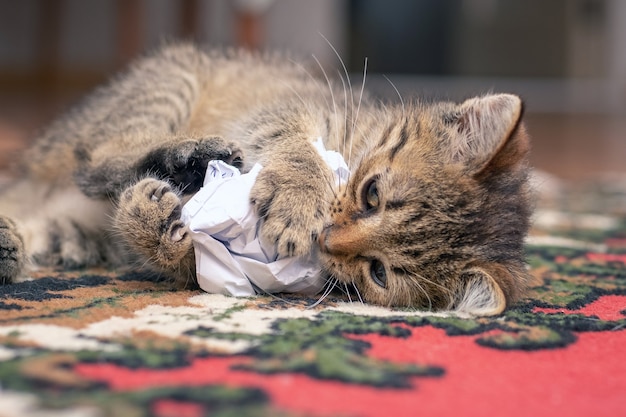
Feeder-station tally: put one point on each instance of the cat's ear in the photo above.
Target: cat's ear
(479, 294)
(480, 127)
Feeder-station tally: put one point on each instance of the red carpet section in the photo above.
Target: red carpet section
(109, 343)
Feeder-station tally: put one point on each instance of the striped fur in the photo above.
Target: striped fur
(434, 214)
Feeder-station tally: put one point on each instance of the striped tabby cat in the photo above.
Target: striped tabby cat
(433, 216)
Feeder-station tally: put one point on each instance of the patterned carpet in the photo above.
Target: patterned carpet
(107, 343)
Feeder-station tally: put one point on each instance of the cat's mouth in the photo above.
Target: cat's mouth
(334, 261)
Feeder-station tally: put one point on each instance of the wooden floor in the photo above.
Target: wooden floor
(568, 146)
(578, 146)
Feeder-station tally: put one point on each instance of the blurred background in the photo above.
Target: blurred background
(566, 58)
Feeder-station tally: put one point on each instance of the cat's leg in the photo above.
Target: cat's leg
(148, 220)
(182, 161)
(50, 226)
(45, 225)
(132, 128)
(147, 216)
(141, 124)
(146, 136)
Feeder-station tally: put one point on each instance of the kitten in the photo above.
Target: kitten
(434, 214)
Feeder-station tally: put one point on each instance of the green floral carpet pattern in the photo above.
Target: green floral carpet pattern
(106, 343)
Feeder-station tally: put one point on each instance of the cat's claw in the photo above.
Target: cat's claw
(157, 193)
(178, 231)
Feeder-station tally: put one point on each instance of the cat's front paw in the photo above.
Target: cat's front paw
(148, 219)
(292, 214)
(184, 163)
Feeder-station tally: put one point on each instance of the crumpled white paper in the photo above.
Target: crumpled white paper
(230, 257)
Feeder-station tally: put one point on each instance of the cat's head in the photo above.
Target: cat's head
(436, 209)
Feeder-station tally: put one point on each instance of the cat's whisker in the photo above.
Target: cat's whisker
(307, 106)
(343, 64)
(345, 285)
(187, 275)
(328, 288)
(113, 199)
(146, 262)
(276, 297)
(358, 293)
(397, 92)
(345, 114)
(324, 286)
(341, 288)
(328, 107)
(421, 288)
(331, 184)
(190, 275)
(284, 300)
(447, 290)
(334, 187)
(418, 277)
(330, 89)
(312, 78)
(350, 164)
(358, 109)
(181, 189)
(345, 71)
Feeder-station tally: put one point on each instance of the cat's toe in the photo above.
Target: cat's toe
(154, 190)
(151, 199)
(235, 158)
(178, 231)
(289, 240)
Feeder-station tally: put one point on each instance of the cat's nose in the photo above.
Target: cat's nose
(342, 240)
(321, 239)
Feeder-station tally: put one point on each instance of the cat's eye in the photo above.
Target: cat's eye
(371, 198)
(378, 273)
